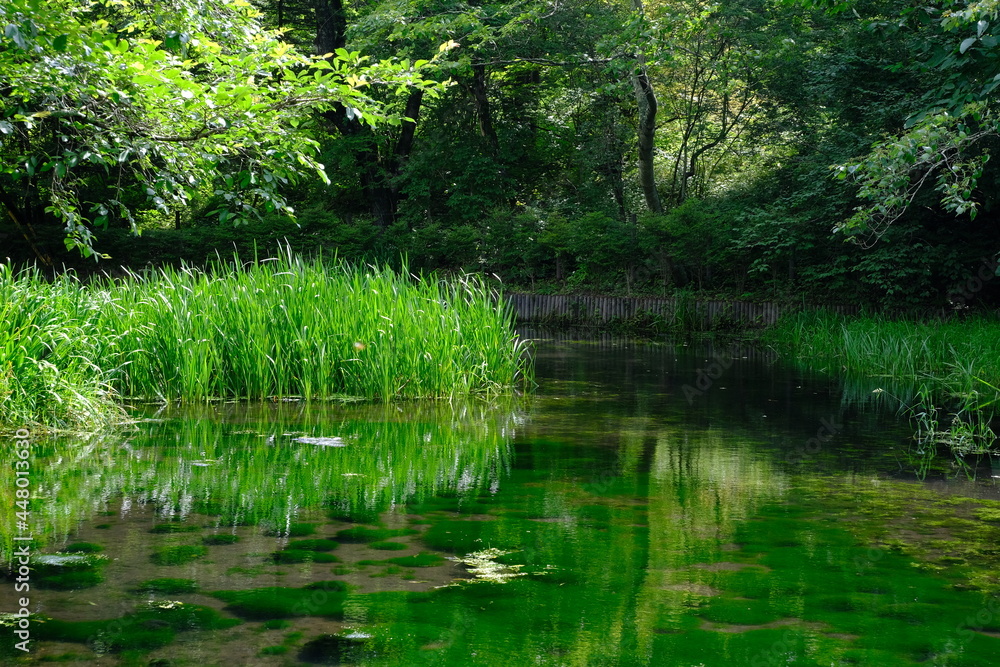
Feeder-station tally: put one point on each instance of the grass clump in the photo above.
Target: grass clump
(388, 546)
(960, 355)
(215, 540)
(49, 369)
(284, 327)
(878, 346)
(917, 364)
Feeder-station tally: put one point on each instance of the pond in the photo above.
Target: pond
(649, 504)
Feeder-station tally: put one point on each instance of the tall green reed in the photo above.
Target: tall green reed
(273, 328)
(48, 368)
(954, 362)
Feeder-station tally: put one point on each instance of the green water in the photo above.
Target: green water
(633, 511)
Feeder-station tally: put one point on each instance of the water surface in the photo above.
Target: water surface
(648, 505)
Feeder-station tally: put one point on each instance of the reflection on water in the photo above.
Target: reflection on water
(248, 464)
(613, 518)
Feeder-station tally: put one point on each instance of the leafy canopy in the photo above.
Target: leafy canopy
(167, 99)
(942, 140)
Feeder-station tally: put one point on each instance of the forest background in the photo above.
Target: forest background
(826, 151)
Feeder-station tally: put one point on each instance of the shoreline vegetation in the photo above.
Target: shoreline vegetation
(72, 352)
(944, 373)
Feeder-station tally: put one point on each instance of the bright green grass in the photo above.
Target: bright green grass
(282, 327)
(960, 357)
(48, 372)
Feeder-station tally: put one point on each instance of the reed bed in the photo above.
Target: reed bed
(48, 371)
(959, 357)
(283, 327)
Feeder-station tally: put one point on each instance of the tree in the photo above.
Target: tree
(945, 139)
(109, 102)
(646, 134)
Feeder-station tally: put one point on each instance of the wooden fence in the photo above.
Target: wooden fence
(693, 313)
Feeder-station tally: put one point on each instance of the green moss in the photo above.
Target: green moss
(301, 556)
(70, 581)
(174, 528)
(362, 534)
(67, 572)
(223, 538)
(912, 612)
(83, 548)
(456, 536)
(294, 530)
(145, 630)
(103, 526)
(178, 555)
(274, 650)
(313, 545)
(388, 546)
(988, 514)
(167, 586)
(325, 598)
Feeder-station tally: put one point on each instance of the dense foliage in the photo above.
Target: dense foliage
(275, 328)
(737, 147)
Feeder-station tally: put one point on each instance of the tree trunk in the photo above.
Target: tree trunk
(646, 98)
(331, 26)
(379, 174)
(483, 111)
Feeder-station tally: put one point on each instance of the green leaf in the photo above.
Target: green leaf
(59, 43)
(14, 34)
(966, 44)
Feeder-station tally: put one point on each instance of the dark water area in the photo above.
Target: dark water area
(648, 504)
